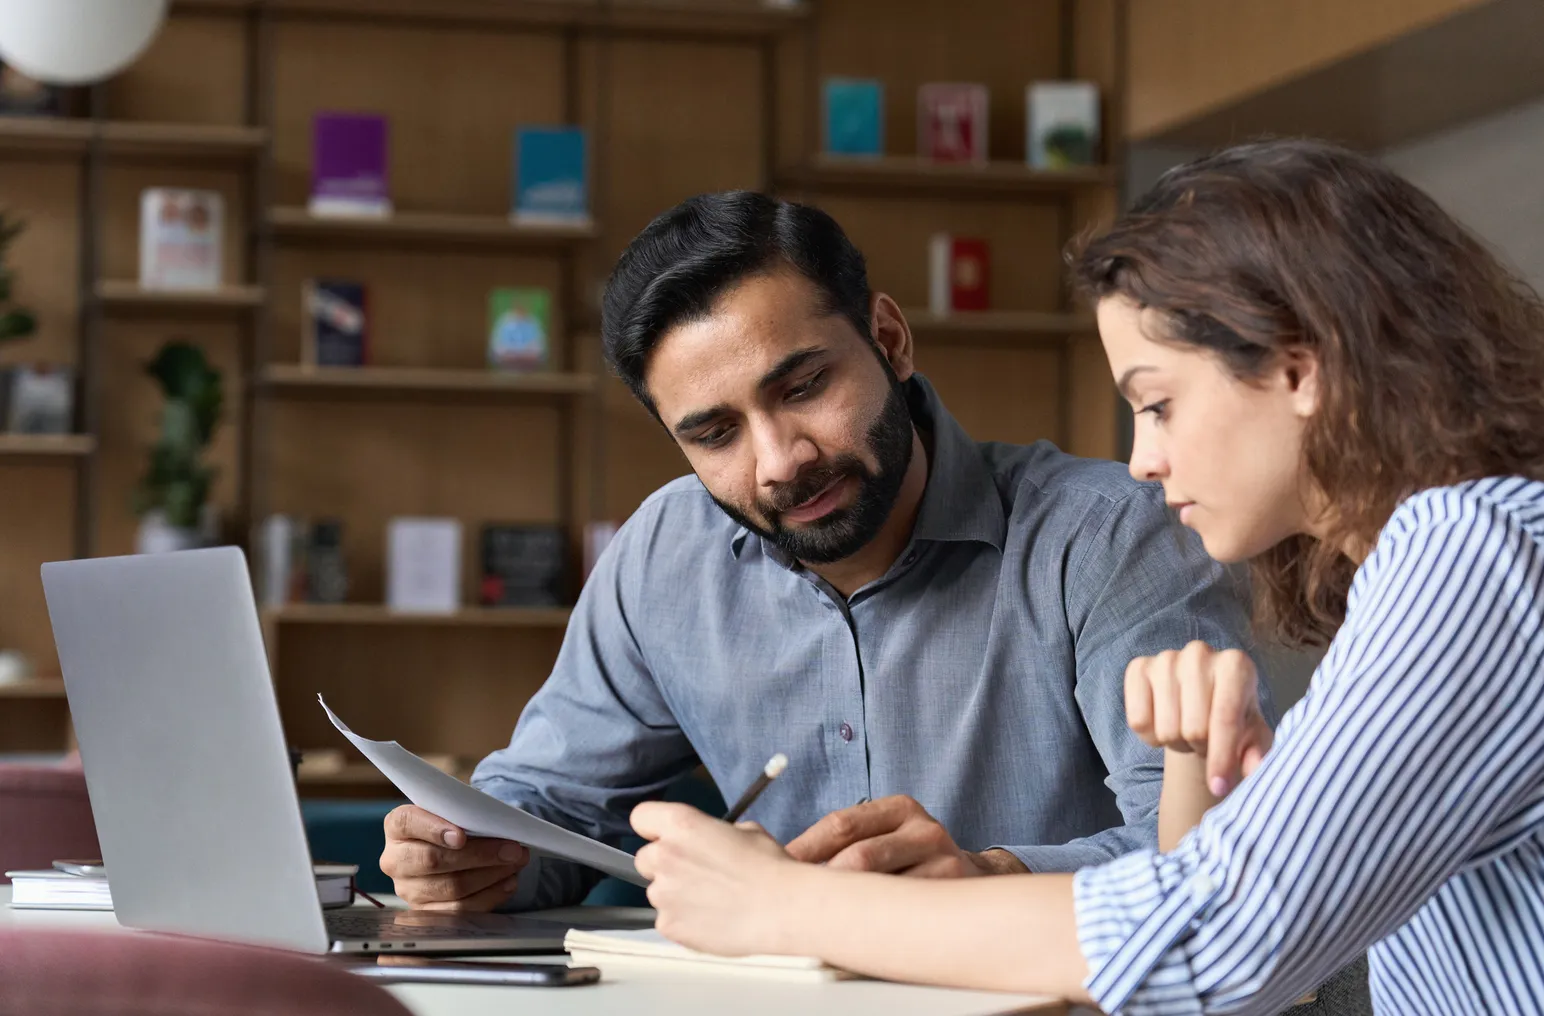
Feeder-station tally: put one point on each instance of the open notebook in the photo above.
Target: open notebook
(648, 949)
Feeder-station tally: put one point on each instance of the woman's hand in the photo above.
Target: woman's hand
(717, 888)
(1202, 701)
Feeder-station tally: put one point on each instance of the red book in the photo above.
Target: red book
(952, 123)
(959, 271)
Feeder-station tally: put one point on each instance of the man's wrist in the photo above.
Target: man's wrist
(997, 862)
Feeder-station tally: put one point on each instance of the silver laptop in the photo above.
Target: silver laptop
(189, 776)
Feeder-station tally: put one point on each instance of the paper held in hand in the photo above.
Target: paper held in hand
(480, 814)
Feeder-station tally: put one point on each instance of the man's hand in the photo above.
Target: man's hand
(436, 866)
(894, 835)
(1203, 701)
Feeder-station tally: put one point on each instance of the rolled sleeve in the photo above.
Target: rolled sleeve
(1132, 915)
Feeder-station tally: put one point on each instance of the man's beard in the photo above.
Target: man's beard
(841, 533)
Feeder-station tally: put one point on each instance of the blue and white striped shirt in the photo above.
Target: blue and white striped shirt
(1401, 811)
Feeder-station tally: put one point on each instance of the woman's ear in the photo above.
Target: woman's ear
(1299, 368)
(892, 335)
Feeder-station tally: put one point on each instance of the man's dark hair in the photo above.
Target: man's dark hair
(681, 263)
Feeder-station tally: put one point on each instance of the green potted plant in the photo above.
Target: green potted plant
(172, 499)
(15, 322)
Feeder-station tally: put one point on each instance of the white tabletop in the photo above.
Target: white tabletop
(648, 993)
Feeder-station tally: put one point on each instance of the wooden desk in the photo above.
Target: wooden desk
(647, 994)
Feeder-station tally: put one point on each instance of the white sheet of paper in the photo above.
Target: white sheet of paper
(480, 814)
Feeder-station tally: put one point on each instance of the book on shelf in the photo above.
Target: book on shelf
(349, 169)
(37, 398)
(181, 238)
(301, 561)
(959, 272)
(522, 565)
(423, 565)
(1063, 124)
(854, 122)
(952, 124)
(519, 328)
(56, 889)
(335, 323)
(551, 176)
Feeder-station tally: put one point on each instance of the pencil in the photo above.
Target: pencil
(771, 771)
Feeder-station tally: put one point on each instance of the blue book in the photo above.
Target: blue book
(551, 176)
(855, 116)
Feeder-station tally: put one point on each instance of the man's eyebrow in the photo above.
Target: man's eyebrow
(787, 365)
(780, 372)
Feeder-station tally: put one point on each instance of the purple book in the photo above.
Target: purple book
(348, 168)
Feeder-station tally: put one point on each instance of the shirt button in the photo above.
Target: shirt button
(846, 731)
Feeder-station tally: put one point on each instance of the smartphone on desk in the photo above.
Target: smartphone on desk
(403, 970)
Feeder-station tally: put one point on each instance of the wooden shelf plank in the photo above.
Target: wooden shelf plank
(673, 18)
(127, 138)
(387, 381)
(33, 688)
(129, 295)
(425, 227)
(46, 445)
(355, 774)
(906, 174)
(1008, 323)
(378, 614)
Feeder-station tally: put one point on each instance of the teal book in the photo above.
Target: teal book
(519, 328)
(854, 116)
(551, 176)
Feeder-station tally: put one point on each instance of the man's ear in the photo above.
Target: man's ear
(892, 335)
(1299, 367)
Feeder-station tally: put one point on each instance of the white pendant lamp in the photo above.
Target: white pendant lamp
(76, 42)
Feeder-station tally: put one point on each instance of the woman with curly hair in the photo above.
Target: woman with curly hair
(1336, 383)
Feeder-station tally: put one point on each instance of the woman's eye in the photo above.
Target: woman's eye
(1159, 409)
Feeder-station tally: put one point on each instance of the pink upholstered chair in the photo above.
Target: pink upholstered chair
(45, 816)
(94, 973)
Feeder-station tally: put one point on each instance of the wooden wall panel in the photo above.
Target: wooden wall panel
(28, 725)
(453, 96)
(36, 525)
(195, 71)
(457, 690)
(683, 120)
(997, 394)
(130, 417)
(370, 460)
(1191, 56)
(46, 257)
(122, 185)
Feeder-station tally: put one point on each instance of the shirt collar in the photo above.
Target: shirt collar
(961, 502)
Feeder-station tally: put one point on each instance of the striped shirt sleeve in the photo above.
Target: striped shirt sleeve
(1401, 766)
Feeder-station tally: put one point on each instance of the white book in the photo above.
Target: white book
(181, 238)
(423, 565)
(648, 948)
(52, 889)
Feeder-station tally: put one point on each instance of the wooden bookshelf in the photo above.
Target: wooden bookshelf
(127, 295)
(378, 614)
(295, 379)
(354, 774)
(907, 175)
(46, 445)
(43, 135)
(297, 224)
(33, 688)
(1037, 326)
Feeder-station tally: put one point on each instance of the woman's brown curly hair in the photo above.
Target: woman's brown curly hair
(1431, 352)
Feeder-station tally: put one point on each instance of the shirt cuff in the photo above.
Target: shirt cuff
(1053, 859)
(525, 892)
(1133, 915)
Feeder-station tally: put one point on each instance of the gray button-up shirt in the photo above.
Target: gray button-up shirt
(983, 674)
